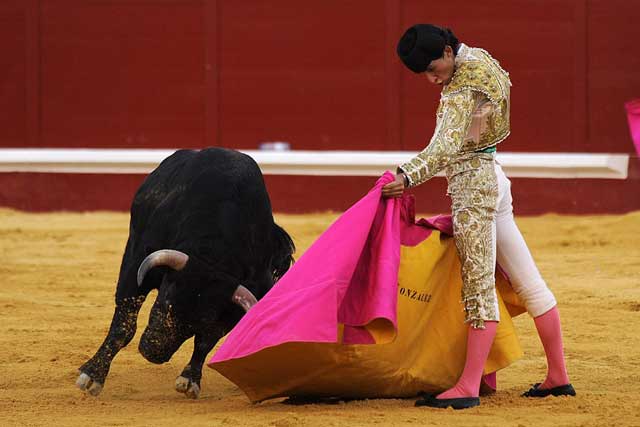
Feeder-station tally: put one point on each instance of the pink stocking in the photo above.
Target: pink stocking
(548, 326)
(479, 343)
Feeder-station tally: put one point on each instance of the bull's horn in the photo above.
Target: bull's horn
(244, 298)
(164, 257)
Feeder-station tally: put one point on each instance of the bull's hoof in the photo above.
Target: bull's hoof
(190, 388)
(86, 383)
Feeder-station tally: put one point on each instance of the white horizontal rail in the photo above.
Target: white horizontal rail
(323, 163)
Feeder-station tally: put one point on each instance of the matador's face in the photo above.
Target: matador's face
(440, 71)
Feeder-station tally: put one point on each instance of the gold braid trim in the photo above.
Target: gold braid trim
(453, 120)
(484, 76)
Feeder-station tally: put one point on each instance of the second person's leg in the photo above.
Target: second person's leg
(474, 195)
(516, 260)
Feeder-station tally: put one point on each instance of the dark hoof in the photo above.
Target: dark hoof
(457, 403)
(561, 390)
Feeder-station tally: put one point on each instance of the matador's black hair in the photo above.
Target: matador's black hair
(423, 43)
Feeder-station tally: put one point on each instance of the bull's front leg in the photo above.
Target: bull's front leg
(123, 327)
(189, 380)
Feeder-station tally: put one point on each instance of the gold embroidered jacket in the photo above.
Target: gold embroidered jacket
(473, 114)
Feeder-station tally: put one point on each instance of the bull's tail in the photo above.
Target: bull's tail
(282, 252)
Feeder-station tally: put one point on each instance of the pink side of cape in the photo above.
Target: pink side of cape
(349, 276)
(633, 117)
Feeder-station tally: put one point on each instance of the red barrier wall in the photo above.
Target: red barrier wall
(317, 74)
(83, 192)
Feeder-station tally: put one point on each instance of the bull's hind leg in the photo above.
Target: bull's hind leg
(129, 299)
(123, 327)
(189, 380)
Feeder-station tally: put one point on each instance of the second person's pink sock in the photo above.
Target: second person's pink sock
(479, 343)
(548, 326)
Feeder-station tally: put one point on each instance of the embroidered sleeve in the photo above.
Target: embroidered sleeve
(452, 123)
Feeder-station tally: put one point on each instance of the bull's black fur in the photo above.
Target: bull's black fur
(213, 206)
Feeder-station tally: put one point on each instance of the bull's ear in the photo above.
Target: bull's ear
(164, 257)
(244, 298)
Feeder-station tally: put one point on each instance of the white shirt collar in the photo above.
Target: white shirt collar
(461, 55)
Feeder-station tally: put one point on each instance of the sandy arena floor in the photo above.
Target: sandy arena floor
(56, 301)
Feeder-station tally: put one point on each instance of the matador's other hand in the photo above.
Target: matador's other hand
(395, 188)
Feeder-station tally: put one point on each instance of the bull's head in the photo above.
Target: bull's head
(186, 303)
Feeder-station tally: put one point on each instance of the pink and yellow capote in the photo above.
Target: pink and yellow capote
(372, 309)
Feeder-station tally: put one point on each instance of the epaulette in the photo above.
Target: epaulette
(483, 75)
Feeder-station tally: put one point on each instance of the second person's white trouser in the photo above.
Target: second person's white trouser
(514, 257)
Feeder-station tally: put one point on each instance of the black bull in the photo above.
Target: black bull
(202, 234)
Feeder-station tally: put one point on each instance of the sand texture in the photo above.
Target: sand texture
(58, 277)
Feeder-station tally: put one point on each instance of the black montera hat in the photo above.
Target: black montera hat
(420, 45)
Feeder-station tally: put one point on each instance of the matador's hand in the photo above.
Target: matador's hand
(395, 188)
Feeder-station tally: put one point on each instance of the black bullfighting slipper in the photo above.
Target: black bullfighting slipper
(456, 403)
(561, 390)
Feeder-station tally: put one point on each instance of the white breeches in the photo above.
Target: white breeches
(514, 257)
